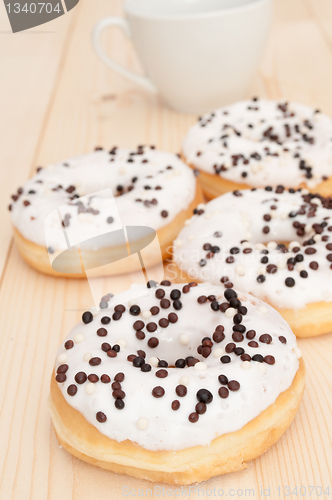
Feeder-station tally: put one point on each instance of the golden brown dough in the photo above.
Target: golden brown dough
(227, 453)
(213, 185)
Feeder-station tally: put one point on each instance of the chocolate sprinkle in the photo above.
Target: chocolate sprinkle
(223, 392)
(175, 405)
(135, 310)
(102, 332)
(265, 338)
(204, 396)
(233, 385)
(80, 377)
(158, 392)
(270, 360)
(101, 417)
(105, 320)
(223, 379)
(95, 361)
(225, 359)
(72, 390)
(87, 317)
(153, 342)
(181, 390)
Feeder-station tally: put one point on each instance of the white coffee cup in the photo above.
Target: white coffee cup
(199, 54)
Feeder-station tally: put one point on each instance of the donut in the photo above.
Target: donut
(273, 243)
(153, 189)
(261, 142)
(176, 383)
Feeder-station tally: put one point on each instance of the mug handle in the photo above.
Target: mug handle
(141, 80)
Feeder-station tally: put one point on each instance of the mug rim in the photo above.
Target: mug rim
(194, 15)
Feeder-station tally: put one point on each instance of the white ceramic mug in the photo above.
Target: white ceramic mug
(199, 54)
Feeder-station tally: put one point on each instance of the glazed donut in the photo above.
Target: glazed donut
(259, 142)
(273, 243)
(176, 384)
(155, 189)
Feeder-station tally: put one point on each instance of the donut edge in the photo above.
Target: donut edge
(37, 256)
(312, 321)
(214, 185)
(227, 453)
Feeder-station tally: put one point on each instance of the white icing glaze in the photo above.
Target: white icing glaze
(210, 142)
(246, 211)
(149, 421)
(92, 173)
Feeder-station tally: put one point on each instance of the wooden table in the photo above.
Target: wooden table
(58, 100)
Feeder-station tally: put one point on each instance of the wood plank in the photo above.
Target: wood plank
(297, 62)
(321, 13)
(30, 65)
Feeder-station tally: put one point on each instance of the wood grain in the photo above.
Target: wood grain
(31, 66)
(57, 100)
